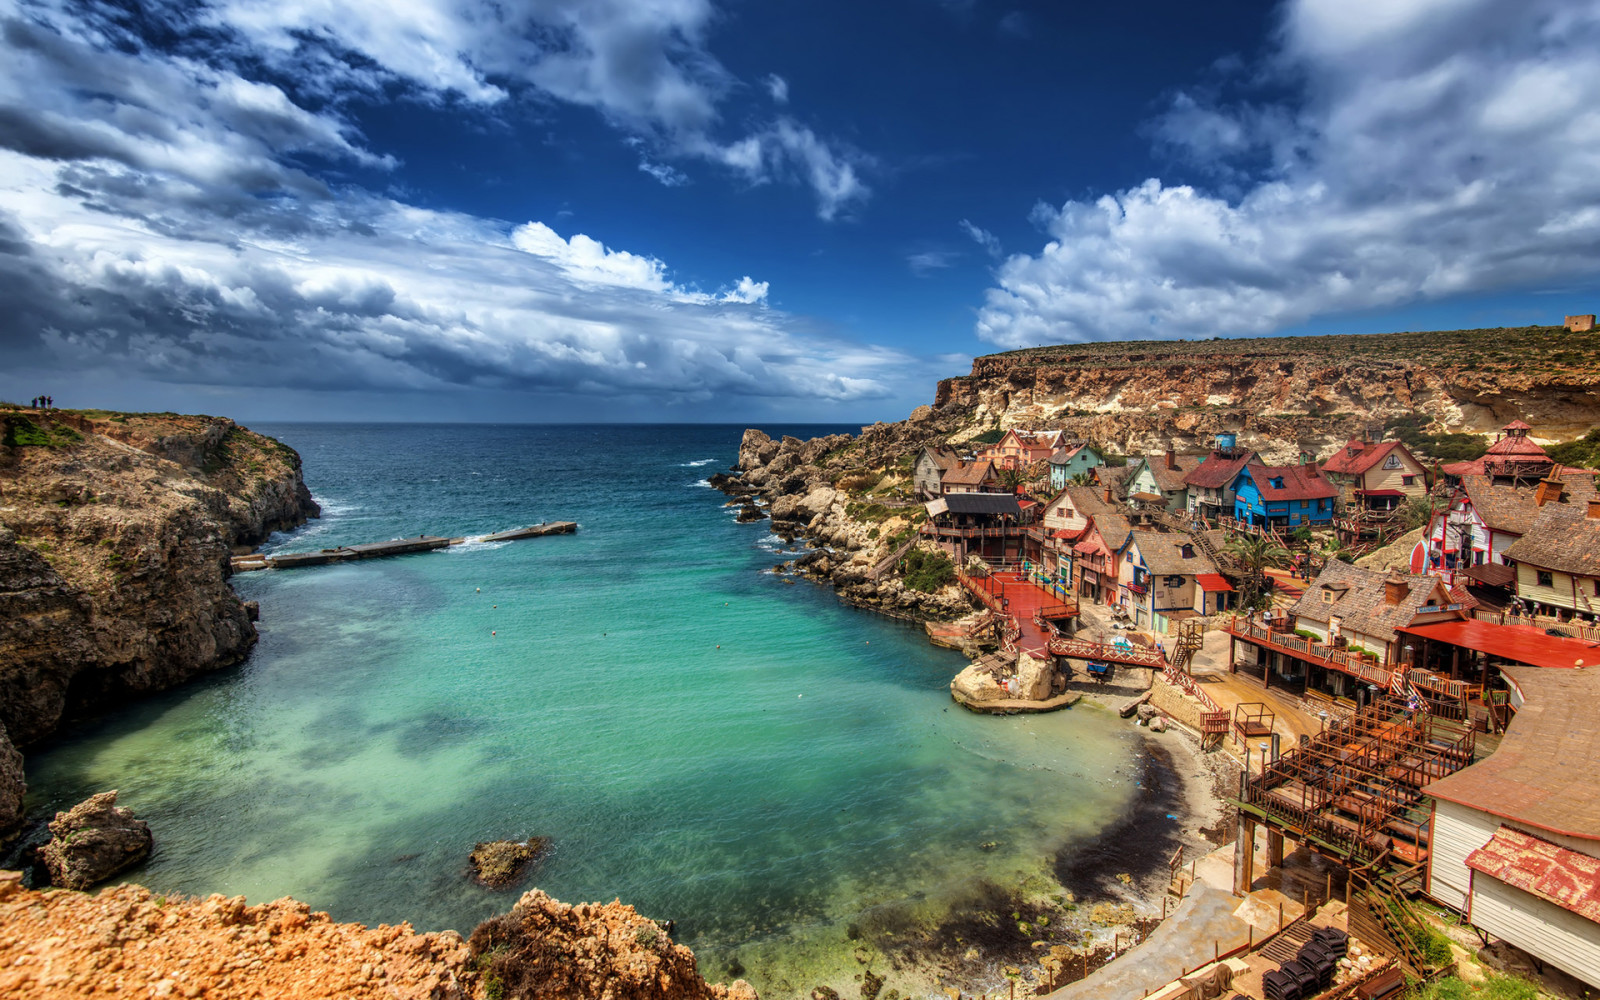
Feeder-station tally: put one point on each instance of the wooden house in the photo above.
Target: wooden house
(1485, 516)
(1513, 456)
(1157, 577)
(1065, 463)
(970, 477)
(1018, 449)
(1515, 838)
(1210, 484)
(1558, 558)
(1163, 476)
(1376, 476)
(931, 465)
(1283, 496)
(989, 525)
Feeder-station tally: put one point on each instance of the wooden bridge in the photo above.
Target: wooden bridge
(393, 547)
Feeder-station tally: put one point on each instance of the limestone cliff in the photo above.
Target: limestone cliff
(115, 534)
(1287, 394)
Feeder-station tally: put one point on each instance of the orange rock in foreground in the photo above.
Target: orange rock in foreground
(126, 941)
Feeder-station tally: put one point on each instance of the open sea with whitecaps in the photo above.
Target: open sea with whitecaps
(745, 756)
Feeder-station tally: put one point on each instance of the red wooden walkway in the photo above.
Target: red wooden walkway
(1010, 592)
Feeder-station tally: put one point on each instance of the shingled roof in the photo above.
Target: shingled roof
(1300, 482)
(975, 474)
(1171, 477)
(1162, 552)
(1218, 471)
(1512, 508)
(1563, 536)
(1109, 518)
(1360, 599)
(1544, 773)
(1357, 456)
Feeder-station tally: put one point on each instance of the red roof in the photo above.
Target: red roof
(1300, 482)
(1213, 583)
(1357, 457)
(1381, 493)
(1567, 878)
(1519, 643)
(1517, 425)
(1091, 547)
(1516, 444)
(1069, 534)
(1218, 471)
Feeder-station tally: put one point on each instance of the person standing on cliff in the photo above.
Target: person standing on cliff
(49, 402)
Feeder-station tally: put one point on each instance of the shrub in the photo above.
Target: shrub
(926, 572)
(1584, 452)
(992, 436)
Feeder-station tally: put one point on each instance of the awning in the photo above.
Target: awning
(1518, 643)
(1090, 548)
(1213, 583)
(1068, 534)
(1493, 574)
(1564, 877)
(1379, 493)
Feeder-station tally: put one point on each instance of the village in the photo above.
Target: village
(1398, 654)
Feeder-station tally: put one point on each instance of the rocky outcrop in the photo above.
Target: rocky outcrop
(127, 941)
(93, 841)
(13, 786)
(545, 948)
(115, 536)
(1288, 394)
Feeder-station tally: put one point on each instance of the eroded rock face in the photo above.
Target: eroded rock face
(93, 841)
(114, 554)
(127, 941)
(12, 787)
(591, 951)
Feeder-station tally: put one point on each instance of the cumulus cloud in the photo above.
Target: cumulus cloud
(153, 224)
(1434, 148)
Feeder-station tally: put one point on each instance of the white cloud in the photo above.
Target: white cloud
(149, 227)
(928, 261)
(1436, 148)
(668, 176)
(777, 88)
(989, 241)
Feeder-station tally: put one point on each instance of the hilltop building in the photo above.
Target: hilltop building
(1580, 324)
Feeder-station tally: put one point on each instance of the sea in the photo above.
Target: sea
(716, 743)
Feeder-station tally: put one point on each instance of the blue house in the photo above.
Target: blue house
(1283, 496)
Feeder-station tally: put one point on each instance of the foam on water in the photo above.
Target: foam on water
(631, 691)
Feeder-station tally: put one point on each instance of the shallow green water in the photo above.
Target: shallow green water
(763, 794)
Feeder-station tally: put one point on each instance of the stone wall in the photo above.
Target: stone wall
(1175, 704)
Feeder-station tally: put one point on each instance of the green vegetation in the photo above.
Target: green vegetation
(646, 935)
(1417, 512)
(868, 512)
(1492, 988)
(1258, 554)
(1115, 461)
(20, 432)
(1584, 452)
(992, 436)
(1452, 447)
(926, 572)
(1435, 947)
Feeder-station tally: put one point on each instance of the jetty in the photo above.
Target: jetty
(393, 547)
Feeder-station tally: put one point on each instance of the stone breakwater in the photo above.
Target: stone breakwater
(115, 537)
(804, 487)
(130, 942)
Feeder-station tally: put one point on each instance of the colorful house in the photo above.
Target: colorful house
(1158, 577)
(1513, 456)
(1018, 449)
(931, 465)
(1211, 482)
(1558, 560)
(1163, 476)
(1071, 461)
(1378, 476)
(1485, 517)
(973, 477)
(1283, 496)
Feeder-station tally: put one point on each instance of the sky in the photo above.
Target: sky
(687, 210)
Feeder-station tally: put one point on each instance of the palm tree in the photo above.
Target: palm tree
(1257, 554)
(1011, 478)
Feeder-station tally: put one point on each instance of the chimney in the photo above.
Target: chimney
(1549, 489)
(1594, 508)
(1172, 459)
(1395, 589)
(1108, 495)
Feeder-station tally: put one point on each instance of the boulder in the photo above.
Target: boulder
(93, 841)
(1158, 724)
(818, 500)
(749, 512)
(497, 864)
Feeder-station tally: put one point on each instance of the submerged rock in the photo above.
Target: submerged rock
(497, 864)
(93, 841)
(749, 512)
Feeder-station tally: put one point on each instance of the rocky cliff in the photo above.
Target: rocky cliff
(1287, 394)
(115, 535)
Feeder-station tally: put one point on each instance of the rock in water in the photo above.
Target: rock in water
(501, 863)
(93, 841)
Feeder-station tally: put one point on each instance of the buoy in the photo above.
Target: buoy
(497, 605)
(719, 647)
(493, 633)
(799, 696)
(477, 590)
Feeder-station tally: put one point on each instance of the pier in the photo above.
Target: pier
(393, 547)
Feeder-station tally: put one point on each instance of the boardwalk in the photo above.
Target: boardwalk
(1010, 592)
(393, 547)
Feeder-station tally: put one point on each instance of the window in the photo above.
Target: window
(1408, 480)
(1544, 579)
(1327, 597)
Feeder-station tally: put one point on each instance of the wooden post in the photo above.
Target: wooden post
(1329, 894)
(1216, 951)
(1280, 915)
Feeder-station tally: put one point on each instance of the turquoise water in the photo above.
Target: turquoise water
(763, 794)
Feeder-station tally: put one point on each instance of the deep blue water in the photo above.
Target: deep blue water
(698, 737)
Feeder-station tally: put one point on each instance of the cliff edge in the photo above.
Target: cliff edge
(115, 535)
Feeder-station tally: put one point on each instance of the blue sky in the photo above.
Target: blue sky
(688, 210)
